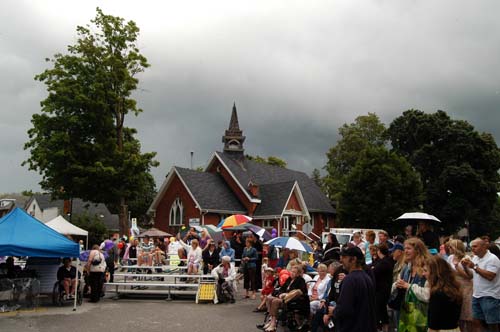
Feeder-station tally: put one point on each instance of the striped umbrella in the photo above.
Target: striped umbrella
(234, 220)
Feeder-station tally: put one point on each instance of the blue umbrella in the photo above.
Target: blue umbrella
(290, 243)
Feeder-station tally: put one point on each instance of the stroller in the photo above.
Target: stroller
(225, 291)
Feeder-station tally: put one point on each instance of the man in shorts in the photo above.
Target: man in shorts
(486, 281)
(66, 275)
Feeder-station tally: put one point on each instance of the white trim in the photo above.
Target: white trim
(224, 211)
(164, 187)
(176, 206)
(302, 203)
(267, 217)
(292, 213)
(252, 200)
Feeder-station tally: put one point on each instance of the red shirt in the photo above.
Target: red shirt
(268, 288)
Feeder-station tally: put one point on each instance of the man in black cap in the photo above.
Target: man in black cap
(355, 308)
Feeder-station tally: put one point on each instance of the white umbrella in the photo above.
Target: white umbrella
(417, 216)
(290, 243)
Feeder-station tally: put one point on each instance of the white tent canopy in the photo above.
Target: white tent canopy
(61, 225)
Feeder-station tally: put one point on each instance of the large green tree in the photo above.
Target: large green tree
(458, 166)
(79, 143)
(366, 131)
(379, 188)
(271, 160)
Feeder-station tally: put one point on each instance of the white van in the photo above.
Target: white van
(344, 235)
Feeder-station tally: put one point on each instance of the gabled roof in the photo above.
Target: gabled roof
(245, 170)
(79, 207)
(274, 197)
(210, 191)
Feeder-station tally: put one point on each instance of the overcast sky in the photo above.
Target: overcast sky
(297, 71)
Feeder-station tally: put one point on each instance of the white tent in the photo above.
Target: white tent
(61, 225)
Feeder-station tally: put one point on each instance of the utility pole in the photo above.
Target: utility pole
(192, 153)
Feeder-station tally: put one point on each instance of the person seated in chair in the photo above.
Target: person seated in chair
(159, 255)
(225, 274)
(210, 257)
(145, 253)
(294, 289)
(66, 275)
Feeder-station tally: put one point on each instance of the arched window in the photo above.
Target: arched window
(176, 213)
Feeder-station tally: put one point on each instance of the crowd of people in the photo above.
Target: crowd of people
(410, 283)
(374, 282)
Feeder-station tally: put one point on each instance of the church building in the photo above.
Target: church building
(232, 184)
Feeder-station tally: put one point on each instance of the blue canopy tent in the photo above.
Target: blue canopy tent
(23, 235)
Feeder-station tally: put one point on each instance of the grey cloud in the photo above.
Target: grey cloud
(296, 70)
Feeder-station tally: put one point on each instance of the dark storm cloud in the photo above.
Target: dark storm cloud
(296, 70)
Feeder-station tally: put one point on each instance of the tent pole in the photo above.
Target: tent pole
(77, 281)
(87, 244)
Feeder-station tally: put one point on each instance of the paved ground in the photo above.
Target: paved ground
(137, 315)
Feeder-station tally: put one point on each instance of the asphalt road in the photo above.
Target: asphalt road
(144, 314)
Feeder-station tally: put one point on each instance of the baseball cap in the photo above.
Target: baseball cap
(352, 252)
(396, 246)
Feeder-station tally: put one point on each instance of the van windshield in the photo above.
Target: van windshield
(343, 238)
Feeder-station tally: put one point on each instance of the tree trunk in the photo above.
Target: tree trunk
(123, 217)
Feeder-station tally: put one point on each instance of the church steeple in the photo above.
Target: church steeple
(233, 138)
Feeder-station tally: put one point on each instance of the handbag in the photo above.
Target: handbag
(413, 314)
(101, 267)
(242, 268)
(96, 260)
(396, 299)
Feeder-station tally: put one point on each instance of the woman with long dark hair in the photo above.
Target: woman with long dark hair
(332, 249)
(445, 301)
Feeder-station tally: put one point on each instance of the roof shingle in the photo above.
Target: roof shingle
(210, 191)
(274, 197)
(263, 174)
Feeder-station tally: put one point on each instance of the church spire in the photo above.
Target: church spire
(233, 138)
(234, 124)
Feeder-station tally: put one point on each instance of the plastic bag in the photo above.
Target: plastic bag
(413, 314)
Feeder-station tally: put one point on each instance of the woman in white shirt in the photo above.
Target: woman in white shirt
(194, 256)
(317, 288)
